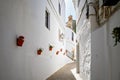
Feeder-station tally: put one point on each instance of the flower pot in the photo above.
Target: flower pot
(20, 42)
(57, 52)
(50, 48)
(61, 49)
(39, 52)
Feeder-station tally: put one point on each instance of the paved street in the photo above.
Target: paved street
(68, 72)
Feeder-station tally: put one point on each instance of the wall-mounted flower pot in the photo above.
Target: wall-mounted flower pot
(61, 49)
(57, 52)
(50, 47)
(20, 41)
(39, 52)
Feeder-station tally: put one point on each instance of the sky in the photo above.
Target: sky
(70, 10)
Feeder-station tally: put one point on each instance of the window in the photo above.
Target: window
(72, 36)
(59, 9)
(87, 11)
(78, 2)
(47, 19)
(61, 35)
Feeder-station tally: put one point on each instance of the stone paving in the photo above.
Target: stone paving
(67, 72)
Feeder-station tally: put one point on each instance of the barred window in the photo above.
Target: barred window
(47, 19)
(59, 9)
(72, 36)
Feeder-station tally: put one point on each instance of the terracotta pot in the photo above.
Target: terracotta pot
(39, 52)
(57, 52)
(20, 42)
(50, 48)
(61, 49)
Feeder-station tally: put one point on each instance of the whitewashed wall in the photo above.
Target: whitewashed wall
(105, 58)
(85, 51)
(68, 35)
(24, 17)
(84, 40)
(98, 61)
(115, 51)
(70, 44)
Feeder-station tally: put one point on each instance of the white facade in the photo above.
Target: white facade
(27, 18)
(96, 43)
(70, 39)
(83, 35)
(105, 61)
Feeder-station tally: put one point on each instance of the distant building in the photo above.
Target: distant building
(70, 38)
(71, 23)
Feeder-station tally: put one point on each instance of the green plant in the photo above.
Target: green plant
(50, 46)
(40, 49)
(116, 35)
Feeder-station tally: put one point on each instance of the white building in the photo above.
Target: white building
(83, 36)
(96, 19)
(70, 38)
(40, 22)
